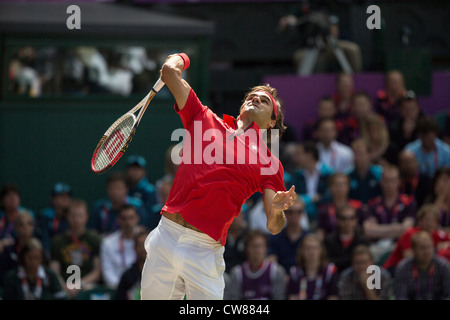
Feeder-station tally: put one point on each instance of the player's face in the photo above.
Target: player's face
(258, 107)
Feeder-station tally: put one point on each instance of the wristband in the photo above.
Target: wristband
(186, 60)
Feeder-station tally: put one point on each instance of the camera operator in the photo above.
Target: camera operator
(318, 28)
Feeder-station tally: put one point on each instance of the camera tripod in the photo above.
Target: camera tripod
(309, 59)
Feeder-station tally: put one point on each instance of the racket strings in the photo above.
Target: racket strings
(117, 138)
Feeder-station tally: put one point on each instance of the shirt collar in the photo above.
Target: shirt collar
(232, 122)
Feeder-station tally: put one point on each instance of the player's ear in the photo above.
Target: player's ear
(272, 124)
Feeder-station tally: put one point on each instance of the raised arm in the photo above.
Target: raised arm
(171, 76)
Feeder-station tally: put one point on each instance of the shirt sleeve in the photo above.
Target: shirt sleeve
(191, 110)
(274, 181)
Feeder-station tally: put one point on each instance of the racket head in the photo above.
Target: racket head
(114, 143)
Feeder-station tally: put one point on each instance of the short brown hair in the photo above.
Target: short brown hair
(274, 93)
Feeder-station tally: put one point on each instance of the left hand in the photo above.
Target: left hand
(283, 200)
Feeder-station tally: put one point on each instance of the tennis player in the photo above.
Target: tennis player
(185, 251)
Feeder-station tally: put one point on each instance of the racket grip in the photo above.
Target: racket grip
(158, 85)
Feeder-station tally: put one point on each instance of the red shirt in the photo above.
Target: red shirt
(404, 243)
(219, 169)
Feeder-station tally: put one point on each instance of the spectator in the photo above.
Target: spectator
(375, 133)
(424, 275)
(117, 252)
(258, 278)
(349, 129)
(427, 220)
(387, 99)
(32, 280)
(404, 130)
(129, 287)
(339, 186)
(234, 247)
(353, 281)
(313, 277)
(413, 182)
(104, 215)
(10, 207)
(310, 178)
(341, 242)
(284, 245)
(440, 195)
(343, 97)
(24, 230)
(170, 168)
(139, 187)
(365, 176)
(332, 153)
(389, 215)
(52, 219)
(77, 246)
(325, 109)
(430, 151)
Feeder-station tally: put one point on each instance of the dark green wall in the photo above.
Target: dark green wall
(45, 142)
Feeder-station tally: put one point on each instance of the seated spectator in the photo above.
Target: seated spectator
(389, 215)
(32, 279)
(139, 187)
(424, 275)
(310, 178)
(339, 185)
(10, 207)
(77, 246)
(258, 278)
(52, 219)
(387, 99)
(353, 281)
(413, 182)
(341, 242)
(365, 176)
(129, 287)
(404, 130)
(375, 133)
(332, 153)
(170, 168)
(24, 230)
(313, 277)
(427, 220)
(430, 151)
(234, 247)
(104, 215)
(440, 196)
(117, 252)
(343, 97)
(325, 109)
(284, 245)
(349, 128)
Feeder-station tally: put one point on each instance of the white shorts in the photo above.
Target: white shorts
(182, 262)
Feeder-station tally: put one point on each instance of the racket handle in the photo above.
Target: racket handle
(158, 85)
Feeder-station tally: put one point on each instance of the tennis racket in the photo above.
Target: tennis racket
(117, 138)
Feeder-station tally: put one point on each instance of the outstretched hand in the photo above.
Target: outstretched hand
(283, 200)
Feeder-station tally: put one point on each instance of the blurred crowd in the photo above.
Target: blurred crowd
(372, 220)
(83, 70)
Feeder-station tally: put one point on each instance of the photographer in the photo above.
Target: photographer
(318, 28)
